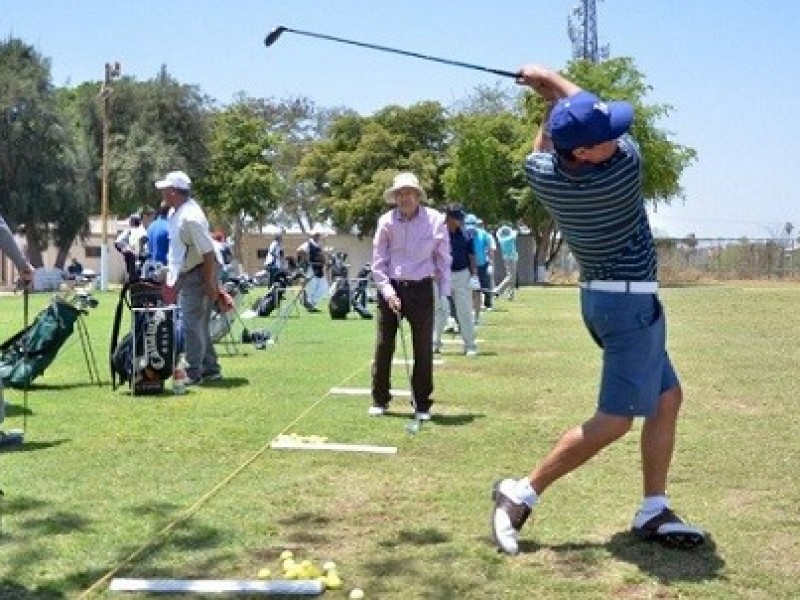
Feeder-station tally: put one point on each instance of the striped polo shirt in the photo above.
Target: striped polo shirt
(600, 211)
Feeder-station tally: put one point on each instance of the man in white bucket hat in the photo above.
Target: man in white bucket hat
(410, 250)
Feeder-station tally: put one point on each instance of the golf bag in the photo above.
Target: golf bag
(265, 305)
(145, 357)
(339, 303)
(25, 355)
(359, 296)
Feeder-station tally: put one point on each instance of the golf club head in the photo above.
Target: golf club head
(273, 36)
(413, 426)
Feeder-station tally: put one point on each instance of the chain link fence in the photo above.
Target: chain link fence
(697, 259)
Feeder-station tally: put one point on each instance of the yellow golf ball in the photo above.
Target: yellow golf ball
(264, 573)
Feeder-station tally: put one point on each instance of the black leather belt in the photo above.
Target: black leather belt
(412, 283)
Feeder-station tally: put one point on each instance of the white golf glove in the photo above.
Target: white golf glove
(490, 270)
(474, 283)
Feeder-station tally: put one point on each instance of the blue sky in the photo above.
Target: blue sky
(728, 67)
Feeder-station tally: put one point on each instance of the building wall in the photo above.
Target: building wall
(253, 250)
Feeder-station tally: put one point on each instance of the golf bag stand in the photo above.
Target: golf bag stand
(287, 308)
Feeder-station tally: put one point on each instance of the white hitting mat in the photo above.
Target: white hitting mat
(219, 586)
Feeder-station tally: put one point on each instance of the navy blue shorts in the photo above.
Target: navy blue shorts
(631, 330)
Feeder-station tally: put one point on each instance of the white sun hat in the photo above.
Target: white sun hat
(404, 180)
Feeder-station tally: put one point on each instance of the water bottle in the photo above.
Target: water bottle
(179, 375)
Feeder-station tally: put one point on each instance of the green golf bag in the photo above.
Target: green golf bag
(25, 355)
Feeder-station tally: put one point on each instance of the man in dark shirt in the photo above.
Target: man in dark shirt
(463, 270)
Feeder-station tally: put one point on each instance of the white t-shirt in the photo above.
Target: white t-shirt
(189, 239)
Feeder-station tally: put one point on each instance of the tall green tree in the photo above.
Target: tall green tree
(297, 123)
(240, 182)
(43, 182)
(156, 126)
(352, 167)
(482, 168)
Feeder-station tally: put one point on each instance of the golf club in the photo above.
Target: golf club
(25, 304)
(276, 33)
(414, 425)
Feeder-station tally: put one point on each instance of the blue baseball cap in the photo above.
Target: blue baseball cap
(583, 119)
(470, 221)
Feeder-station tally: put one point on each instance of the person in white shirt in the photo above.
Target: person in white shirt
(129, 244)
(274, 260)
(311, 253)
(193, 275)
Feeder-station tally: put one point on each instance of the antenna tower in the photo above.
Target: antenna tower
(582, 29)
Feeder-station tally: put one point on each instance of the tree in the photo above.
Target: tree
(240, 181)
(481, 170)
(156, 126)
(43, 182)
(351, 169)
(297, 123)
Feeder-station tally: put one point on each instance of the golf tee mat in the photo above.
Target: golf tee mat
(290, 442)
(348, 391)
(285, 587)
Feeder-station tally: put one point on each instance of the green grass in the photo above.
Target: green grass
(187, 487)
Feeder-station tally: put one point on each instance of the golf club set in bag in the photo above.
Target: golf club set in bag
(27, 354)
(347, 293)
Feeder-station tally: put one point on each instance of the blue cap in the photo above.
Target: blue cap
(585, 120)
(470, 220)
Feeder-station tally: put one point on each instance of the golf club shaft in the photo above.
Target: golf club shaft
(25, 302)
(456, 63)
(405, 361)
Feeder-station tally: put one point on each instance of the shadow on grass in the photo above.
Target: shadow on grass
(65, 386)
(428, 536)
(227, 383)
(9, 590)
(667, 565)
(442, 420)
(32, 447)
(308, 528)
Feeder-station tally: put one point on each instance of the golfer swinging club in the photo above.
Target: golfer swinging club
(587, 171)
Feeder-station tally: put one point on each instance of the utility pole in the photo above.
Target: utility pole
(112, 73)
(582, 30)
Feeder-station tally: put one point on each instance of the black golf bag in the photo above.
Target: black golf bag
(339, 303)
(359, 296)
(25, 355)
(145, 357)
(265, 305)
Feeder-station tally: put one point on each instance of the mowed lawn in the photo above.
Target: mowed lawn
(110, 485)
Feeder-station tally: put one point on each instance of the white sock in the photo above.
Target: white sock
(652, 505)
(525, 492)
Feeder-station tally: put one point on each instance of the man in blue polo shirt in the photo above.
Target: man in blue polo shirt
(587, 171)
(462, 278)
